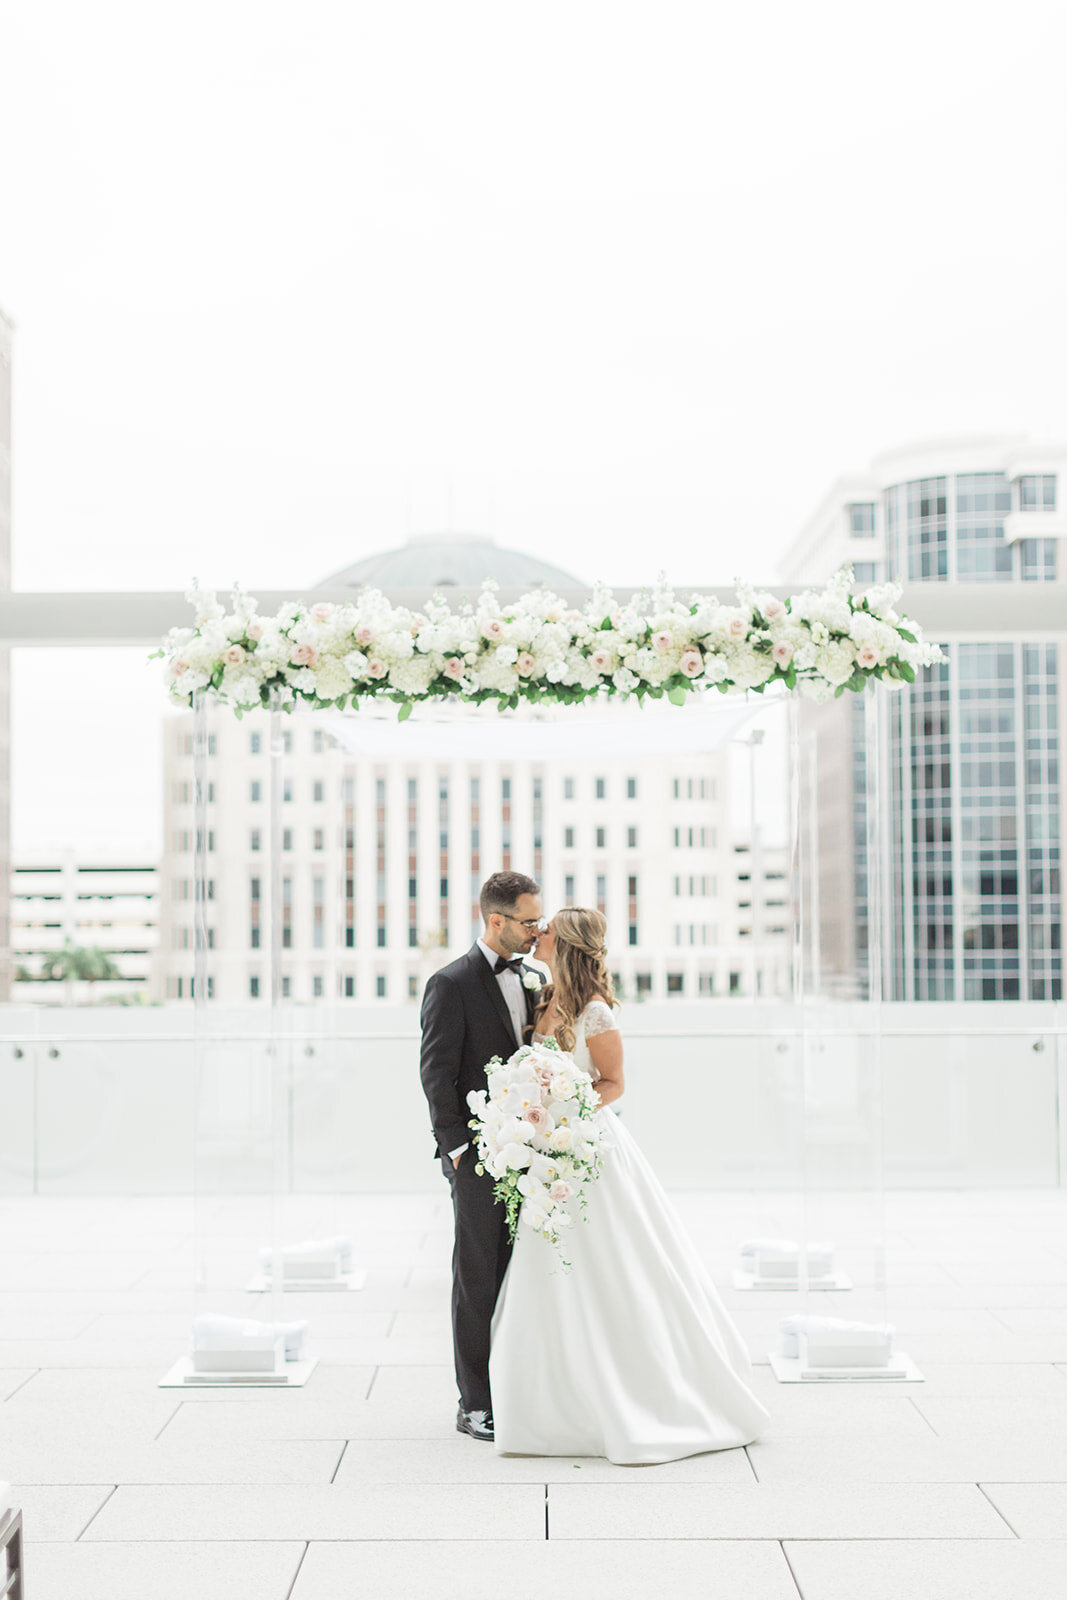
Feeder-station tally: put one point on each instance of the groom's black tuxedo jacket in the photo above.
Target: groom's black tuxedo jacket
(465, 1022)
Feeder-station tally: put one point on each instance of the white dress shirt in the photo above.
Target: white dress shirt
(511, 988)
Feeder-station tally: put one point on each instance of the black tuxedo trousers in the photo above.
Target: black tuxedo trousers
(465, 1022)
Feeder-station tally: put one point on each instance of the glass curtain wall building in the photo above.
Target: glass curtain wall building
(974, 836)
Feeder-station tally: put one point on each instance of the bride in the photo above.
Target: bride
(630, 1355)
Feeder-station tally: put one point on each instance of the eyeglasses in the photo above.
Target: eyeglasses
(531, 924)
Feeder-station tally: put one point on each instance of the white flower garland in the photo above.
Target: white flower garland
(821, 642)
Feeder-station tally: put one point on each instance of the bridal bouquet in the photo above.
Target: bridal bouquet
(536, 1136)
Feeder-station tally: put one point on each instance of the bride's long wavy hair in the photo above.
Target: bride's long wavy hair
(581, 969)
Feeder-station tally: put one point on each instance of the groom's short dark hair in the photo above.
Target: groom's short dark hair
(500, 892)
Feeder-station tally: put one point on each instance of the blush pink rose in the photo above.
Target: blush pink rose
(178, 667)
(692, 663)
(302, 655)
(736, 628)
(254, 630)
(453, 668)
(661, 642)
(494, 628)
(322, 611)
(364, 635)
(601, 660)
(782, 654)
(867, 656)
(525, 664)
(536, 1116)
(233, 656)
(773, 609)
(561, 1190)
(376, 668)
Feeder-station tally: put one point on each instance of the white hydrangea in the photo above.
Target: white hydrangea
(836, 661)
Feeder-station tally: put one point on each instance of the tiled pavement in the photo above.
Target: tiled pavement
(358, 1484)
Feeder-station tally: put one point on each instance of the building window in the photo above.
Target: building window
(601, 838)
(631, 788)
(568, 838)
(631, 908)
(318, 913)
(287, 789)
(254, 840)
(675, 982)
(287, 987)
(644, 983)
(1037, 492)
(631, 838)
(350, 986)
(287, 913)
(318, 741)
(253, 983)
(316, 985)
(379, 845)
(379, 986)
(505, 824)
(442, 829)
(568, 888)
(568, 788)
(287, 838)
(318, 840)
(861, 519)
(601, 892)
(600, 788)
(735, 983)
(476, 859)
(255, 791)
(413, 986)
(318, 790)
(706, 983)
(255, 745)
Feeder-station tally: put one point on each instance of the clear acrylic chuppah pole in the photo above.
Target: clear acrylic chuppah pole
(241, 1122)
(840, 1094)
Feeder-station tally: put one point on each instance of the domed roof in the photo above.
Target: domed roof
(450, 560)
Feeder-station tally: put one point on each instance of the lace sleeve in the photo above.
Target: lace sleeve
(599, 1018)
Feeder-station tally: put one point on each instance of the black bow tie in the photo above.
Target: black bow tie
(503, 965)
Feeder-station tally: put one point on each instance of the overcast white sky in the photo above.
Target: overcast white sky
(628, 283)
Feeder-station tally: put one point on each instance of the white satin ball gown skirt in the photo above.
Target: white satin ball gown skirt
(629, 1355)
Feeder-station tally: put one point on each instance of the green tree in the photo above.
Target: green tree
(77, 961)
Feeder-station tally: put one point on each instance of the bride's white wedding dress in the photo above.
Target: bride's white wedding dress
(631, 1354)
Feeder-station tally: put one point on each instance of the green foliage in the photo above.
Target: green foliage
(88, 963)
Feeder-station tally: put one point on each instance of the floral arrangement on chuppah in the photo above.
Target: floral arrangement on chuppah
(821, 641)
(537, 1137)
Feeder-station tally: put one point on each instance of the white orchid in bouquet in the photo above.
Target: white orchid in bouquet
(822, 641)
(537, 1137)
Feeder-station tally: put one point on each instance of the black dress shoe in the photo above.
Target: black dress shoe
(479, 1424)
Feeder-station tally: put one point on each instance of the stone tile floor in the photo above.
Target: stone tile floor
(357, 1484)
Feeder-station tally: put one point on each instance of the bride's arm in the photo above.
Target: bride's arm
(605, 1052)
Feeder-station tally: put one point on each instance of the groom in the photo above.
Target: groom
(472, 1010)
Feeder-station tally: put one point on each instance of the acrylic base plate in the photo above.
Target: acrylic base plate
(293, 1376)
(790, 1369)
